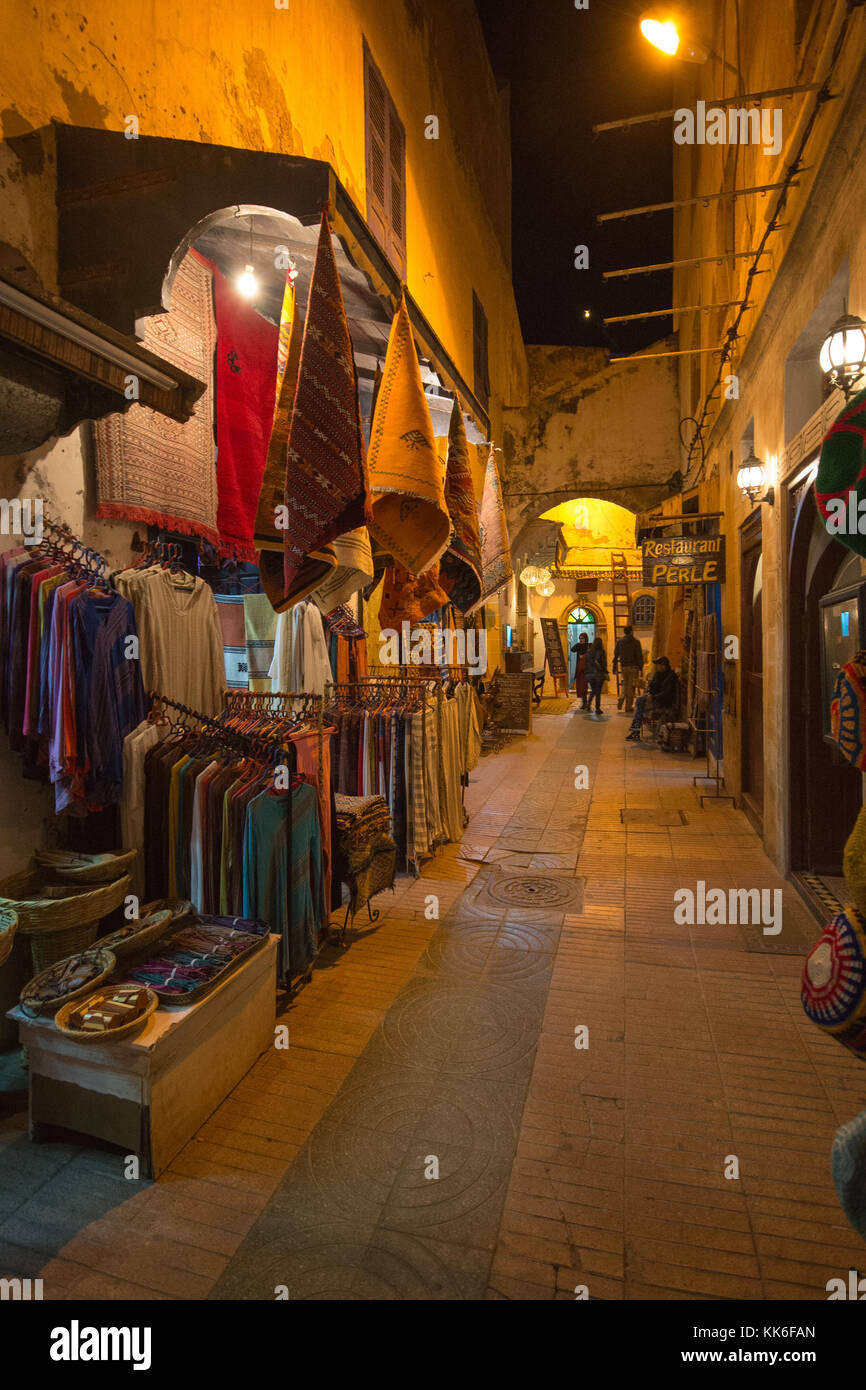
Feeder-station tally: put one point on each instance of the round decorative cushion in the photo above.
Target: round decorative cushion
(842, 470)
(848, 711)
(833, 989)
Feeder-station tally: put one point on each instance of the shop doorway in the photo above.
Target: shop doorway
(825, 790)
(579, 620)
(752, 667)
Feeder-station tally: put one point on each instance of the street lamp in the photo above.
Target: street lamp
(666, 30)
(751, 478)
(843, 355)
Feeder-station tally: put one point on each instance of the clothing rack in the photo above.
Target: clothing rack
(256, 745)
(277, 702)
(60, 542)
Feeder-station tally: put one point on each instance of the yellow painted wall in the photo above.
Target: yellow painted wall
(290, 81)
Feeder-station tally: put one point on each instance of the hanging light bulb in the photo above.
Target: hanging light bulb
(247, 283)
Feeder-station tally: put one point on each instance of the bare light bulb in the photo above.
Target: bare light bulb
(247, 283)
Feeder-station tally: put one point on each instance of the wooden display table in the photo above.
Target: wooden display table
(151, 1093)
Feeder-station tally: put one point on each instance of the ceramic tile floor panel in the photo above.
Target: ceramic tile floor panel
(448, 1044)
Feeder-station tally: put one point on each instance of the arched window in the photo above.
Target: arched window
(643, 611)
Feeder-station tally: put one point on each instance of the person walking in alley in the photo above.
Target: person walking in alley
(628, 656)
(581, 685)
(663, 694)
(596, 675)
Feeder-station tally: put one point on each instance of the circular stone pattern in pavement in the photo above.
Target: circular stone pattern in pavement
(534, 890)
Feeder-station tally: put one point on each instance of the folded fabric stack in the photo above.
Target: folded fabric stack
(368, 855)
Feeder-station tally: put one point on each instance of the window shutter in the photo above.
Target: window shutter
(386, 167)
(480, 351)
(397, 188)
(377, 143)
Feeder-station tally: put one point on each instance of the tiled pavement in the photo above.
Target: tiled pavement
(454, 1041)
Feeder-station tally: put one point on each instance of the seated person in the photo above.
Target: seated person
(662, 695)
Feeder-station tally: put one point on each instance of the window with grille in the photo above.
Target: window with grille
(480, 351)
(386, 167)
(643, 611)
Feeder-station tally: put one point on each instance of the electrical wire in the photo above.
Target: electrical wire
(732, 334)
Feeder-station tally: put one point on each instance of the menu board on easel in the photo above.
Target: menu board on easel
(556, 662)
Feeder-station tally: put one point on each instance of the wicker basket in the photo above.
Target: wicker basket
(136, 935)
(35, 1007)
(109, 1035)
(85, 868)
(178, 907)
(43, 906)
(8, 925)
(59, 919)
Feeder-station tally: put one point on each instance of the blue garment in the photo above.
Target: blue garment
(295, 910)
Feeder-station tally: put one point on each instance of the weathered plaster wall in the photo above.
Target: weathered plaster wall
(825, 227)
(291, 81)
(592, 428)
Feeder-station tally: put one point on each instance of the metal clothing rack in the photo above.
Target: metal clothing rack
(277, 702)
(710, 728)
(256, 745)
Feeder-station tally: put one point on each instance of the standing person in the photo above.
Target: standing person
(581, 685)
(628, 655)
(596, 674)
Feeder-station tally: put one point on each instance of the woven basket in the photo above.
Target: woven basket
(136, 935)
(85, 868)
(8, 925)
(35, 1007)
(110, 1034)
(43, 906)
(178, 907)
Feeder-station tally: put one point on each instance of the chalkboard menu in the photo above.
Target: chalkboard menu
(512, 702)
(556, 662)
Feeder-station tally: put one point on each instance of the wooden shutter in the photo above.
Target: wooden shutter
(386, 167)
(376, 101)
(480, 351)
(397, 189)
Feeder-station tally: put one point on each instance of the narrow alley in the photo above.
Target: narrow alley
(439, 1128)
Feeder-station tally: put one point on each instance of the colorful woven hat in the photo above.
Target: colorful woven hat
(848, 711)
(833, 990)
(842, 467)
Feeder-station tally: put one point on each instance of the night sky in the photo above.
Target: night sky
(568, 69)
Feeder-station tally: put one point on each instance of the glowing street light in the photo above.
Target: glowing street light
(661, 34)
(666, 31)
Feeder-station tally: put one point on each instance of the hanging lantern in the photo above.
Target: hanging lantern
(532, 575)
(843, 355)
(751, 480)
(547, 589)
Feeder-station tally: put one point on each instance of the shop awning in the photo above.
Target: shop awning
(59, 366)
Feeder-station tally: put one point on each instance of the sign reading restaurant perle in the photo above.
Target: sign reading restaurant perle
(684, 560)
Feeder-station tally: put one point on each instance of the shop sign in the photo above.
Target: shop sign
(684, 560)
